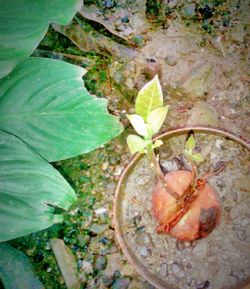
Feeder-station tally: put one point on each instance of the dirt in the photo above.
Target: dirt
(221, 260)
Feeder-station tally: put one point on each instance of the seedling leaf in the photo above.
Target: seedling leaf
(197, 157)
(190, 144)
(157, 117)
(136, 143)
(138, 124)
(149, 98)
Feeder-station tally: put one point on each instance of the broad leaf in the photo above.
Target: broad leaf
(29, 187)
(23, 24)
(138, 123)
(149, 98)
(16, 271)
(156, 118)
(45, 104)
(136, 143)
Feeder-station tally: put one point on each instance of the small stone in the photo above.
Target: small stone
(101, 211)
(105, 166)
(109, 3)
(189, 11)
(121, 283)
(98, 229)
(100, 263)
(139, 41)
(172, 3)
(86, 267)
(118, 171)
(66, 262)
(170, 60)
(169, 166)
(144, 251)
(176, 268)
(83, 240)
(143, 238)
(245, 222)
(241, 234)
(113, 160)
(125, 19)
(128, 270)
(164, 270)
(114, 263)
(107, 281)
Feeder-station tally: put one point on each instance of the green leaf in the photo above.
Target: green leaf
(16, 271)
(149, 98)
(197, 157)
(23, 24)
(156, 118)
(29, 187)
(136, 143)
(45, 104)
(194, 156)
(138, 124)
(190, 143)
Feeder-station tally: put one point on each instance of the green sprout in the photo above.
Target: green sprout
(149, 118)
(189, 147)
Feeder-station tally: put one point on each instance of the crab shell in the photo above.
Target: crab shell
(200, 219)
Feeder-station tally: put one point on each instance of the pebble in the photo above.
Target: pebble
(98, 229)
(144, 251)
(107, 281)
(189, 11)
(125, 19)
(172, 3)
(170, 61)
(176, 268)
(143, 238)
(121, 283)
(241, 234)
(66, 262)
(100, 263)
(245, 221)
(86, 267)
(169, 166)
(139, 40)
(109, 3)
(164, 270)
(114, 263)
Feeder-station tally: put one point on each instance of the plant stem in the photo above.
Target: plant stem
(159, 174)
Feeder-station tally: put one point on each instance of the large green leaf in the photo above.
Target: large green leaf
(23, 24)
(29, 188)
(44, 103)
(16, 271)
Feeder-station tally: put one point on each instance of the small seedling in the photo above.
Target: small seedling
(185, 206)
(149, 118)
